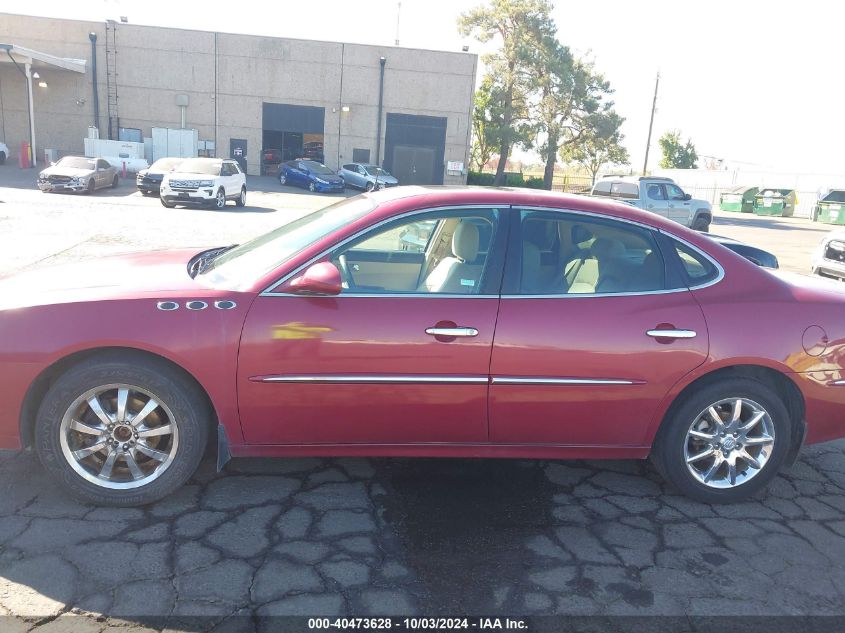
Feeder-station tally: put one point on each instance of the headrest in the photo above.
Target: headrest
(579, 233)
(605, 248)
(540, 233)
(465, 241)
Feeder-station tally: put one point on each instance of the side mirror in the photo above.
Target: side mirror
(687, 196)
(319, 279)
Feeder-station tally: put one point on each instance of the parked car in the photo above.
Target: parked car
(313, 150)
(77, 173)
(828, 259)
(657, 195)
(530, 325)
(149, 180)
(4, 153)
(205, 182)
(366, 177)
(310, 174)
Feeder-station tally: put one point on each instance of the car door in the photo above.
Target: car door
(680, 208)
(350, 175)
(103, 174)
(382, 364)
(655, 198)
(580, 360)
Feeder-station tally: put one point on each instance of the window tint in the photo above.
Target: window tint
(438, 253)
(698, 269)
(350, 167)
(602, 189)
(573, 254)
(656, 192)
(101, 164)
(675, 192)
(627, 190)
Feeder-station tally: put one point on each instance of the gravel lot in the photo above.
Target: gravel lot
(398, 536)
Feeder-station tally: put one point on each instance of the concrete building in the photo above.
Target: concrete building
(242, 93)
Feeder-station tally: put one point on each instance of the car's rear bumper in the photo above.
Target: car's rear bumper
(824, 402)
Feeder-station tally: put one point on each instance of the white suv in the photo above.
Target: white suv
(204, 181)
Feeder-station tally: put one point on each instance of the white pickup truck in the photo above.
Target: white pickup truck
(658, 195)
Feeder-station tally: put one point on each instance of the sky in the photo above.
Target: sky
(754, 83)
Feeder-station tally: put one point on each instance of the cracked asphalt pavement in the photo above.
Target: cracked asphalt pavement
(389, 536)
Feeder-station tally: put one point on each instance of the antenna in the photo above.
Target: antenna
(398, 13)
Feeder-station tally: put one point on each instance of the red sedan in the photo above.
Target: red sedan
(430, 322)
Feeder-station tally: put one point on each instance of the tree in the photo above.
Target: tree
(600, 146)
(570, 103)
(486, 117)
(675, 154)
(521, 26)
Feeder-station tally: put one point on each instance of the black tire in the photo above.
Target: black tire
(369, 186)
(181, 396)
(702, 224)
(219, 201)
(2, 158)
(312, 187)
(283, 179)
(240, 201)
(668, 452)
(91, 188)
(166, 204)
(114, 182)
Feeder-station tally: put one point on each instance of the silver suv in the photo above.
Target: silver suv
(658, 195)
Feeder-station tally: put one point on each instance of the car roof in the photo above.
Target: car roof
(635, 179)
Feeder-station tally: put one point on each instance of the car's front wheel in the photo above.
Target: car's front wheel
(220, 199)
(369, 186)
(725, 441)
(312, 187)
(283, 179)
(114, 182)
(92, 187)
(122, 431)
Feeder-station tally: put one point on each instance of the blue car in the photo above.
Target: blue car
(311, 174)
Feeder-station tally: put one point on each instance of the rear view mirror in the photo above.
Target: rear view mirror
(319, 279)
(687, 196)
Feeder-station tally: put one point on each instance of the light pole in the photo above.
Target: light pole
(651, 124)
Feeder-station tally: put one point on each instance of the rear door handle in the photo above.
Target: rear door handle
(672, 333)
(452, 331)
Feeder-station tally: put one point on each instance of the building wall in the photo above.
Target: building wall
(227, 77)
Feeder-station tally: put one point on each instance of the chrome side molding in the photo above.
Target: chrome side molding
(521, 380)
(354, 379)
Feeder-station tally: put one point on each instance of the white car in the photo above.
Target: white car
(4, 153)
(206, 182)
(829, 256)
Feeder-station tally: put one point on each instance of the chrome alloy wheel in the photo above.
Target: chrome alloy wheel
(119, 436)
(729, 443)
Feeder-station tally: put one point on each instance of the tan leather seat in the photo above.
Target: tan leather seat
(457, 274)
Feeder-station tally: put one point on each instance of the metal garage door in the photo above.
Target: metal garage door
(414, 147)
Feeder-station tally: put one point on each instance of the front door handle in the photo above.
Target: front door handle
(451, 331)
(672, 333)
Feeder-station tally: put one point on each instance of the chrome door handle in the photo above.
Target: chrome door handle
(452, 331)
(672, 333)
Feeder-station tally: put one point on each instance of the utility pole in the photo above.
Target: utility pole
(651, 123)
(398, 14)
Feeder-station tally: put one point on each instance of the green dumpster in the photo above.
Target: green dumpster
(831, 208)
(775, 202)
(739, 199)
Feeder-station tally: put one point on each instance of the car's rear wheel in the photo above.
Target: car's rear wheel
(241, 201)
(702, 224)
(122, 431)
(312, 187)
(725, 441)
(283, 179)
(92, 187)
(220, 199)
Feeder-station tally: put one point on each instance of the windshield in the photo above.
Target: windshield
(837, 195)
(207, 166)
(166, 164)
(374, 170)
(76, 162)
(316, 168)
(238, 268)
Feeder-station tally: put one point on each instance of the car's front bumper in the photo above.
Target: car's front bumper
(200, 196)
(330, 187)
(829, 261)
(46, 185)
